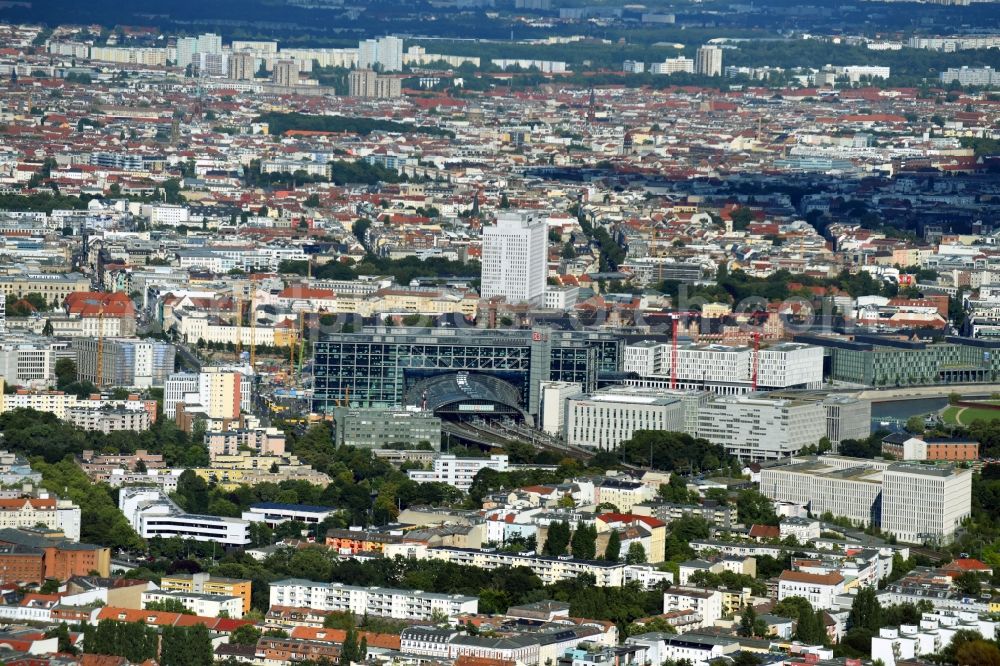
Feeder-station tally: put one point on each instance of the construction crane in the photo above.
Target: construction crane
(252, 315)
(673, 351)
(238, 306)
(755, 360)
(100, 347)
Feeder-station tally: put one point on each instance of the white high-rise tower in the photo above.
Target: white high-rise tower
(515, 257)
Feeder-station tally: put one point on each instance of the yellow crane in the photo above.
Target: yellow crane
(238, 304)
(253, 329)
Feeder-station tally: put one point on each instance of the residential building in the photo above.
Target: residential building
(457, 472)
(383, 602)
(819, 589)
(242, 66)
(706, 603)
(286, 73)
(203, 605)
(708, 61)
(203, 583)
(54, 513)
(262, 441)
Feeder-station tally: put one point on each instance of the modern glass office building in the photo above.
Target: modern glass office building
(391, 367)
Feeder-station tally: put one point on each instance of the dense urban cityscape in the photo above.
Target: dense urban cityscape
(499, 333)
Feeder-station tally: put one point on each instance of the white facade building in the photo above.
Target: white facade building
(605, 420)
(759, 428)
(923, 503)
(515, 258)
(728, 369)
(151, 513)
(552, 406)
(457, 472)
(708, 61)
(384, 602)
(203, 605)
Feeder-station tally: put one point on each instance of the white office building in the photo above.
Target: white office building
(384, 602)
(727, 369)
(552, 406)
(275, 513)
(916, 503)
(605, 420)
(925, 503)
(757, 427)
(152, 513)
(515, 257)
(457, 472)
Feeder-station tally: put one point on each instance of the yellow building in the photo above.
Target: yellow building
(246, 468)
(203, 583)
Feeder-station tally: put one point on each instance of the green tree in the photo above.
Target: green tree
(557, 539)
(751, 625)
(65, 372)
(584, 543)
(866, 611)
(753, 508)
(636, 554)
(169, 606)
(612, 551)
(247, 634)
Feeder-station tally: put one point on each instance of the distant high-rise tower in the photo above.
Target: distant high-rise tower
(384, 54)
(708, 61)
(242, 66)
(186, 48)
(515, 257)
(209, 43)
(367, 53)
(390, 54)
(286, 73)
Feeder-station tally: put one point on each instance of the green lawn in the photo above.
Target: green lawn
(966, 415)
(950, 414)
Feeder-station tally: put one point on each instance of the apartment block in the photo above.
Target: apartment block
(203, 605)
(384, 602)
(203, 583)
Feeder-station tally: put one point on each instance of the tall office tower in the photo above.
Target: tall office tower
(286, 73)
(209, 43)
(186, 48)
(515, 257)
(242, 66)
(390, 54)
(708, 61)
(367, 54)
(361, 83)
